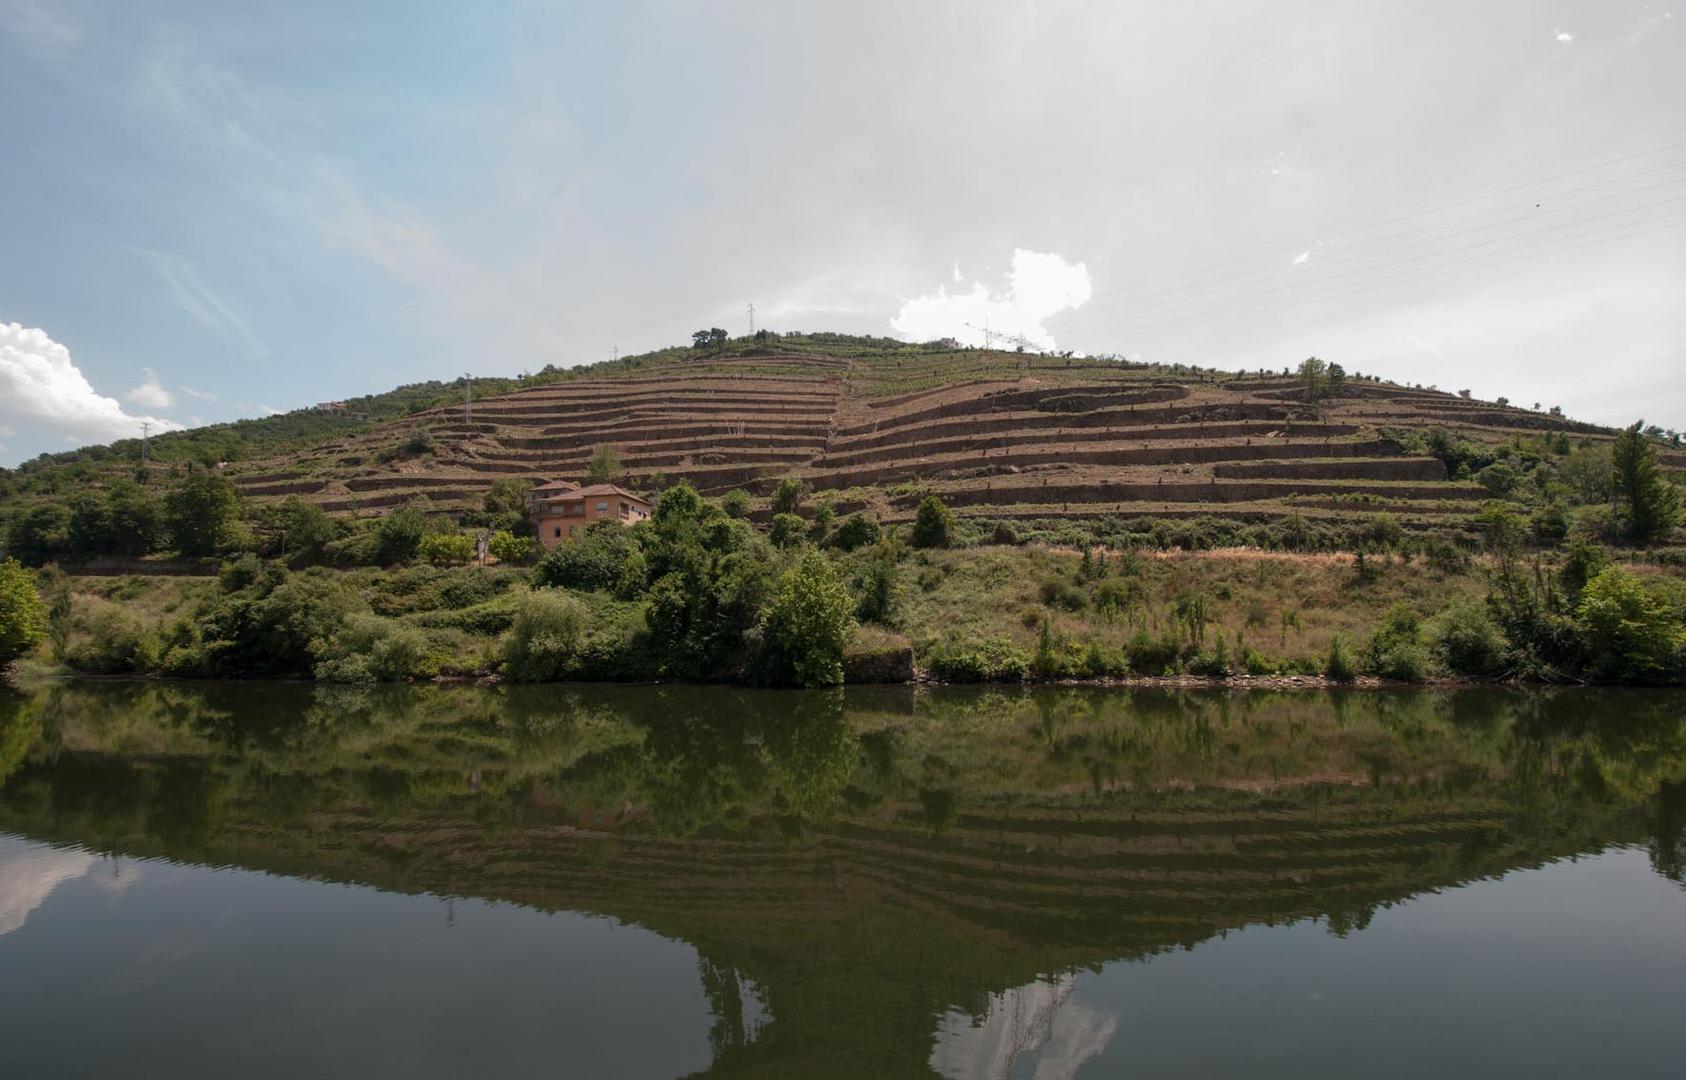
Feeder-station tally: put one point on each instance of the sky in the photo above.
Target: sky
(210, 211)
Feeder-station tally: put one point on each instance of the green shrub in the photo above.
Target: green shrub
(787, 530)
(398, 536)
(735, 503)
(446, 549)
(1213, 663)
(506, 547)
(544, 636)
(787, 498)
(1004, 534)
(116, 642)
(857, 530)
(1062, 594)
(482, 620)
(933, 524)
(1338, 666)
(1150, 655)
(1116, 598)
(807, 626)
(593, 561)
(877, 588)
(988, 660)
(1627, 632)
(1395, 649)
(199, 510)
(23, 617)
(369, 648)
(1468, 641)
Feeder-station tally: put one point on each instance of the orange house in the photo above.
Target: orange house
(560, 508)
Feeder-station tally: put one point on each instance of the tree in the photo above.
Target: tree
(23, 617)
(505, 546)
(808, 624)
(787, 499)
(399, 534)
(447, 549)
(933, 524)
(198, 512)
(136, 518)
(717, 337)
(857, 530)
(508, 505)
(1337, 379)
(604, 466)
(699, 339)
(1651, 505)
(40, 534)
(735, 503)
(1628, 632)
(1314, 376)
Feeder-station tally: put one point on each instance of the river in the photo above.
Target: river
(284, 880)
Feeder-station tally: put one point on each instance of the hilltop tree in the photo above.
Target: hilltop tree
(1650, 504)
(1337, 379)
(1314, 377)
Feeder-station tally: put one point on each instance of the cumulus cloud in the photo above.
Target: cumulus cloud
(40, 384)
(149, 394)
(1039, 286)
(1564, 37)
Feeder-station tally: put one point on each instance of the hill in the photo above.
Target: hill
(877, 425)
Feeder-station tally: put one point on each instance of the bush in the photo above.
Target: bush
(1062, 594)
(787, 530)
(594, 560)
(1338, 666)
(735, 503)
(988, 660)
(23, 617)
(544, 636)
(787, 499)
(933, 524)
(1395, 649)
(40, 534)
(398, 536)
(369, 648)
(1004, 534)
(506, 547)
(1468, 641)
(1213, 663)
(1628, 633)
(876, 585)
(857, 530)
(117, 642)
(198, 512)
(1149, 655)
(446, 549)
(807, 625)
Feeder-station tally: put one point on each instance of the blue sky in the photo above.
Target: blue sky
(213, 210)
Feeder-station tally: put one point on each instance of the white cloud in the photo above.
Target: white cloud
(1039, 286)
(40, 383)
(200, 395)
(149, 394)
(1300, 259)
(1564, 37)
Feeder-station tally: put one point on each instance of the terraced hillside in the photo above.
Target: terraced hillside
(996, 435)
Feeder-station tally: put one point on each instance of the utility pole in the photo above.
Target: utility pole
(468, 399)
(752, 320)
(617, 355)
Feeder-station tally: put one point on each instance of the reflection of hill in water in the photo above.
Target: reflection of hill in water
(864, 871)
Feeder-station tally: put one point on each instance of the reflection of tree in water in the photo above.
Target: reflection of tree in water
(863, 862)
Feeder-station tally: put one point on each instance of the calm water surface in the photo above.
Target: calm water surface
(659, 882)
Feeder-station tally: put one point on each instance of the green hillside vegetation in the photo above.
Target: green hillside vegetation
(859, 508)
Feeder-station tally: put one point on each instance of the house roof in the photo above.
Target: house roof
(595, 490)
(557, 485)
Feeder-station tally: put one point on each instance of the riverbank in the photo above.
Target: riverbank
(994, 613)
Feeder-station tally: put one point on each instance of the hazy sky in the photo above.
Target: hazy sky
(211, 210)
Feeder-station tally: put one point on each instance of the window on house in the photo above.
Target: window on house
(558, 532)
(602, 508)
